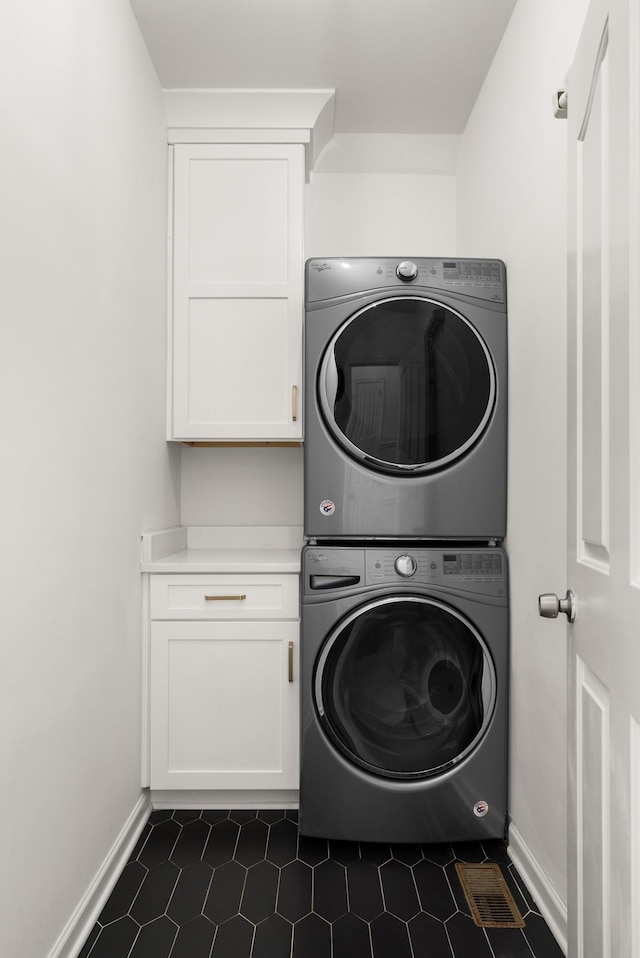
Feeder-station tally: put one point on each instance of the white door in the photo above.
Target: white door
(604, 481)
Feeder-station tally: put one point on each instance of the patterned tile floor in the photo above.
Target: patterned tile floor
(244, 884)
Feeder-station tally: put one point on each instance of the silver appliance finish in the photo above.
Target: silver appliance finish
(404, 692)
(405, 399)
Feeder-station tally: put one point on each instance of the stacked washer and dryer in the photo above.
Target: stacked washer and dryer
(405, 614)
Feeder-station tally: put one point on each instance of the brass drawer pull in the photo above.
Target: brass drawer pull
(294, 404)
(291, 661)
(224, 598)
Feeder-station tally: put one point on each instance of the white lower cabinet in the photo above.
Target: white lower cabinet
(223, 689)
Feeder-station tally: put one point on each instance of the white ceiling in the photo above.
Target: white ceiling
(403, 66)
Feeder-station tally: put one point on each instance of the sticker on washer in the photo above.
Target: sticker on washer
(480, 809)
(327, 507)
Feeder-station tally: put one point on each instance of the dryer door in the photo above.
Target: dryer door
(405, 687)
(407, 385)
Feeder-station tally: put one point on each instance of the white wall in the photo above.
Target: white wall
(381, 214)
(242, 487)
(511, 204)
(84, 464)
(347, 214)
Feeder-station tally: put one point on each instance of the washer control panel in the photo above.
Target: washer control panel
(466, 569)
(472, 563)
(481, 568)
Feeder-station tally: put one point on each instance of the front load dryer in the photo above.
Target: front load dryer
(404, 693)
(405, 399)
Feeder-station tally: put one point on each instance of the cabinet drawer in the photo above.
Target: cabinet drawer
(224, 596)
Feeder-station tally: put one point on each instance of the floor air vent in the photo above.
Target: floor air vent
(490, 901)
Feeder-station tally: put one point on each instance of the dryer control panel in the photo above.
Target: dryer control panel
(330, 278)
(466, 569)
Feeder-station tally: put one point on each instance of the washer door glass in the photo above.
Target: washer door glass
(405, 687)
(407, 384)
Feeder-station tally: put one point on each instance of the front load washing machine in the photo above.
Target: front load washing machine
(404, 693)
(405, 399)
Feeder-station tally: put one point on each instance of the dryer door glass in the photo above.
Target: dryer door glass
(405, 687)
(407, 384)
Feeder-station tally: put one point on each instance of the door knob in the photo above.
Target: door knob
(549, 605)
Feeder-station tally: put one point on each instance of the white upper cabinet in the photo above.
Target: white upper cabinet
(237, 292)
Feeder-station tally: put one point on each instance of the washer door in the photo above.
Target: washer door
(407, 385)
(405, 687)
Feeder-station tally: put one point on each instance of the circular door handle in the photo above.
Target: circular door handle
(550, 606)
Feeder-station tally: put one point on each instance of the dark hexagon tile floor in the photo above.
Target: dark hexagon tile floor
(244, 884)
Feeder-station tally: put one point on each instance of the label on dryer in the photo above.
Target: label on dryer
(327, 507)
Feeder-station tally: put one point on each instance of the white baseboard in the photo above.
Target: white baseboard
(552, 907)
(77, 929)
(224, 798)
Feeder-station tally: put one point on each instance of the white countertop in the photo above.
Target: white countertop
(206, 549)
(228, 560)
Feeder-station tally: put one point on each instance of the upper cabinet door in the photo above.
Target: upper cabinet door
(237, 292)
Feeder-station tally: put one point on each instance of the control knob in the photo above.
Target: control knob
(407, 271)
(405, 566)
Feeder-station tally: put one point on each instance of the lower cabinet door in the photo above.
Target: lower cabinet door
(224, 705)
